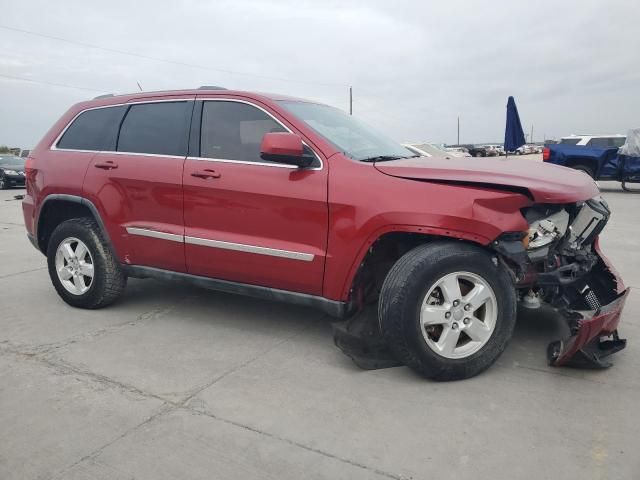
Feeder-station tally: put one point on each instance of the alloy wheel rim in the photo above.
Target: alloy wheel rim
(458, 315)
(74, 266)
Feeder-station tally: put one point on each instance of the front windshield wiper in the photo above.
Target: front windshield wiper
(382, 158)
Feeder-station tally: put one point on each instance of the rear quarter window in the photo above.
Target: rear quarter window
(607, 142)
(93, 130)
(617, 141)
(598, 142)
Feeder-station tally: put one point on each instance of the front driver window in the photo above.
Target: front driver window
(234, 131)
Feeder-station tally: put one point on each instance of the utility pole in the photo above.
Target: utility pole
(350, 100)
(458, 130)
(531, 137)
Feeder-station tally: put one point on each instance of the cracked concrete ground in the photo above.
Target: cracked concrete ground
(175, 382)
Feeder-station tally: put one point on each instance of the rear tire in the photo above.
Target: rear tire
(584, 168)
(91, 279)
(408, 292)
(3, 183)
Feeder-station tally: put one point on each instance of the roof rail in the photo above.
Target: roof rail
(211, 87)
(106, 95)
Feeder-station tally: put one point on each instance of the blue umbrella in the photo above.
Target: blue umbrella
(513, 133)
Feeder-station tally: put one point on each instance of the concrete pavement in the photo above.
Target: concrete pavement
(176, 382)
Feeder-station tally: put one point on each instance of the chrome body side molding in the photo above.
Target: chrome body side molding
(145, 232)
(205, 242)
(240, 247)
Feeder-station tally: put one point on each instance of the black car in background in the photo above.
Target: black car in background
(11, 171)
(481, 151)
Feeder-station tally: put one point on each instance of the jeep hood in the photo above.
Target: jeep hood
(545, 182)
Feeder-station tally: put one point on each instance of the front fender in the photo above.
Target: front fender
(487, 219)
(365, 204)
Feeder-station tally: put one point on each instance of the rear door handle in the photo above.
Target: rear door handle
(206, 173)
(108, 165)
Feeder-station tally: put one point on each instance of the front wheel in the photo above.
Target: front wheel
(447, 310)
(3, 183)
(83, 270)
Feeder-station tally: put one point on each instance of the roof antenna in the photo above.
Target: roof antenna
(139, 85)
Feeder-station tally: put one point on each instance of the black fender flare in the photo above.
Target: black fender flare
(73, 199)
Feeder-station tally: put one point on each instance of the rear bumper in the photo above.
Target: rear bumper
(28, 213)
(33, 241)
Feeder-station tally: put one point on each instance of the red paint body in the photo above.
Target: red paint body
(335, 212)
(281, 143)
(597, 324)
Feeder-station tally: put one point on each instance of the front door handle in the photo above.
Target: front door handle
(108, 165)
(206, 173)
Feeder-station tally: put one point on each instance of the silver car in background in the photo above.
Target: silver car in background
(432, 150)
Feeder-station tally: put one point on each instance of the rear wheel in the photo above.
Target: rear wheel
(83, 270)
(3, 183)
(447, 310)
(584, 168)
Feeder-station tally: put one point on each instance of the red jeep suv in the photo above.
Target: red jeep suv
(292, 200)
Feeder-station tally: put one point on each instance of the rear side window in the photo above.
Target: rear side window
(93, 130)
(607, 142)
(617, 141)
(156, 128)
(598, 142)
(234, 131)
(569, 141)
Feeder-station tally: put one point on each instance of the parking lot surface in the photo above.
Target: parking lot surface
(177, 382)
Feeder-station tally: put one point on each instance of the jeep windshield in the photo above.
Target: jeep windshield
(353, 137)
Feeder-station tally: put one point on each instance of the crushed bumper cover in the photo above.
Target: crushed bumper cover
(594, 334)
(594, 337)
(360, 339)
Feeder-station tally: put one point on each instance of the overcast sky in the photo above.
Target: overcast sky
(573, 66)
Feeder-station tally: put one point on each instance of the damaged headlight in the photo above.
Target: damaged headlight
(589, 222)
(544, 231)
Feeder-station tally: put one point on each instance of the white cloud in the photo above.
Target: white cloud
(415, 66)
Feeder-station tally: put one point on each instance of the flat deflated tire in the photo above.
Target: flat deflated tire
(447, 310)
(82, 267)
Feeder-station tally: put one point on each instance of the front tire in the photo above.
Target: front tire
(82, 267)
(3, 183)
(447, 310)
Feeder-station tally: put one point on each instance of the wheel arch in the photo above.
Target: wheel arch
(589, 162)
(386, 246)
(57, 208)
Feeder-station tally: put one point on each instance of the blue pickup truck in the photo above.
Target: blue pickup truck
(613, 157)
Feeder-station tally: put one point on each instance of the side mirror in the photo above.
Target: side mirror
(284, 147)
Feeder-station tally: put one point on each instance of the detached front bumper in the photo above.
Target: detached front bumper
(595, 336)
(594, 333)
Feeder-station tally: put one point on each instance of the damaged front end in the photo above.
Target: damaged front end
(558, 261)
